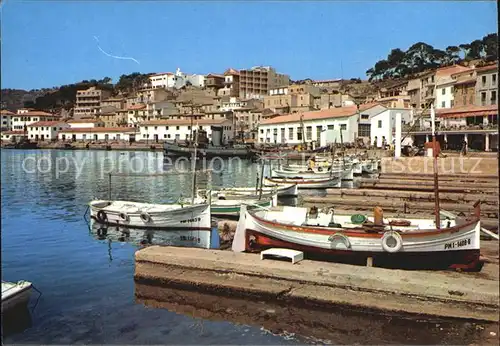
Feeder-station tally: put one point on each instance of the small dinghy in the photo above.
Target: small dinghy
(145, 215)
(224, 204)
(15, 294)
(305, 183)
(283, 190)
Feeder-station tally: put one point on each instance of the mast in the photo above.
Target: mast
(435, 154)
(193, 165)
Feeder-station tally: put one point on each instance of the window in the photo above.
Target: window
(452, 103)
(443, 91)
(319, 129)
(290, 133)
(493, 79)
(166, 127)
(343, 127)
(165, 135)
(493, 97)
(261, 131)
(189, 127)
(54, 128)
(364, 130)
(365, 116)
(443, 104)
(156, 127)
(484, 80)
(299, 133)
(309, 132)
(282, 135)
(177, 127)
(379, 124)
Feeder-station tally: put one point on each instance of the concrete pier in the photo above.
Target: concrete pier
(423, 293)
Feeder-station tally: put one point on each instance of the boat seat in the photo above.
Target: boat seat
(294, 215)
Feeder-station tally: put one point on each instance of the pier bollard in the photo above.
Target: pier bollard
(214, 236)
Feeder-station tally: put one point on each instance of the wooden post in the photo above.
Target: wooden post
(435, 154)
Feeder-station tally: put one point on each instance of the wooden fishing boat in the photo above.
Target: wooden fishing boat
(280, 173)
(15, 294)
(335, 169)
(282, 190)
(224, 204)
(171, 149)
(455, 244)
(369, 166)
(200, 238)
(305, 183)
(146, 215)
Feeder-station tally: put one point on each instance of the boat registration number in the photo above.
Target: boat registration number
(196, 219)
(458, 243)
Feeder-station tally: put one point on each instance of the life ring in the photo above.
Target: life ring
(102, 217)
(145, 217)
(124, 217)
(392, 241)
(342, 237)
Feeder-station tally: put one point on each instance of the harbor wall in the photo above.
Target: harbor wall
(320, 284)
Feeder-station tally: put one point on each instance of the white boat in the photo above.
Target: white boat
(455, 244)
(300, 174)
(283, 190)
(223, 204)
(303, 184)
(146, 215)
(369, 166)
(15, 294)
(320, 171)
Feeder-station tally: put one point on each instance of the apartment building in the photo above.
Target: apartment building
(413, 90)
(487, 85)
(445, 97)
(257, 81)
(26, 117)
(176, 80)
(464, 88)
(97, 134)
(231, 84)
(393, 94)
(427, 89)
(116, 102)
(6, 119)
(88, 102)
(85, 123)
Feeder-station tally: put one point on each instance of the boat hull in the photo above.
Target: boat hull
(177, 150)
(161, 216)
(16, 295)
(283, 190)
(304, 184)
(233, 209)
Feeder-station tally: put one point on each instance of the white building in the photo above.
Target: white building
(322, 127)
(180, 129)
(445, 84)
(12, 136)
(97, 134)
(6, 119)
(383, 125)
(28, 117)
(46, 130)
(176, 80)
(85, 123)
(232, 103)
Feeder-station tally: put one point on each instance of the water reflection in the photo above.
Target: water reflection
(308, 325)
(16, 320)
(147, 237)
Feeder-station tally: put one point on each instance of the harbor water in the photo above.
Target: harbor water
(88, 291)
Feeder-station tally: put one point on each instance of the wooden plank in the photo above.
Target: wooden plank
(444, 176)
(414, 195)
(430, 183)
(396, 205)
(442, 188)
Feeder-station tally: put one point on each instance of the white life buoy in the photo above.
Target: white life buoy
(342, 238)
(392, 241)
(145, 217)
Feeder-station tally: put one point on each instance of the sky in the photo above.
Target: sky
(50, 43)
